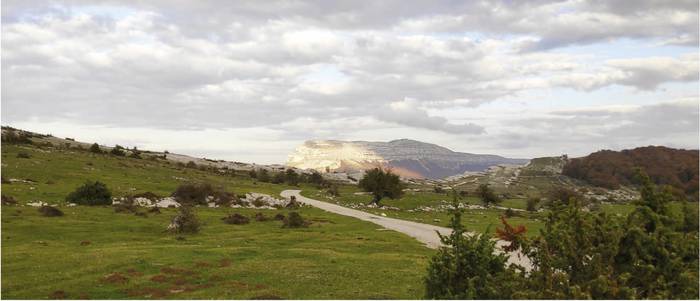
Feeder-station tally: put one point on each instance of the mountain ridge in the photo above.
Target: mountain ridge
(407, 157)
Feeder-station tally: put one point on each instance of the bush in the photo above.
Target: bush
(12, 136)
(8, 200)
(118, 151)
(466, 267)
(5, 180)
(333, 190)
(91, 193)
(510, 213)
(294, 220)
(487, 196)
(258, 202)
(531, 204)
(279, 217)
(278, 178)
(193, 194)
(49, 211)
(95, 148)
(191, 164)
(23, 155)
(236, 219)
(261, 217)
(185, 222)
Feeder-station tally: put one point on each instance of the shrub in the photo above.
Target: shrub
(185, 221)
(487, 196)
(278, 178)
(294, 220)
(193, 194)
(91, 193)
(154, 210)
(261, 217)
(466, 267)
(510, 213)
(236, 219)
(258, 202)
(5, 180)
(191, 164)
(563, 195)
(125, 207)
(279, 217)
(95, 148)
(8, 200)
(23, 155)
(438, 189)
(49, 211)
(333, 190)
(263, 176)
(12, 136)
(531, 204)
(118, 151)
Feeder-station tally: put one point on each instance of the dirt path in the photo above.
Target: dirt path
(424, 233)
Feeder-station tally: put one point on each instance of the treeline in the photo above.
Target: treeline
(677, 168)
(290, 177)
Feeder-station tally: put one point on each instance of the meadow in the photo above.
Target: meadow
(93, 252)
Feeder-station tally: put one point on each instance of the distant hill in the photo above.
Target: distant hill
(611, 169)
(409, 158)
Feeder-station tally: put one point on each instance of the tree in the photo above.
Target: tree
(381, 184)
(466, 266)
(95, 148)
(532, 203)
(487, 196)
(291, 177)
(263, 175)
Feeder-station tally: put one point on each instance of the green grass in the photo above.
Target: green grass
(335, 258)
(56, 172)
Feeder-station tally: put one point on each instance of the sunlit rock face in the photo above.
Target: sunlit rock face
(409, 158)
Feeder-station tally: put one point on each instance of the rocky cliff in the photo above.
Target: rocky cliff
(409, 158)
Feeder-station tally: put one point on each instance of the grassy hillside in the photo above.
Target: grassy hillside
(93, 252)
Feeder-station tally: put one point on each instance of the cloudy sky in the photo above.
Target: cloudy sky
(251, 80)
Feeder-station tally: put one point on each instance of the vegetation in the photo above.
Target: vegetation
(487, 196)
(117, 150)
(236, 219)
(185, 221)
(49, 211)
(381, 184)
(466, 266)
(95, 148)
(294, 220)
(326, 260)
(677, 168)
(650, 254)
(91, 193)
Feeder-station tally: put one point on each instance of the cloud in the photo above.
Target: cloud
(407, 112)
(317, 68)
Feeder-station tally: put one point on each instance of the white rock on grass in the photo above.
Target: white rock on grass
(37, 204)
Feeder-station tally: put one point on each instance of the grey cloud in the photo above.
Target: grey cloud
(408, 113)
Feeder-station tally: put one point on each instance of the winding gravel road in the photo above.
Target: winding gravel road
(424, 233)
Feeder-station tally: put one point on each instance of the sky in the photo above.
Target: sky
(251, 80)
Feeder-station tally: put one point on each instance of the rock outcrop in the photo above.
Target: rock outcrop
(408, 158)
